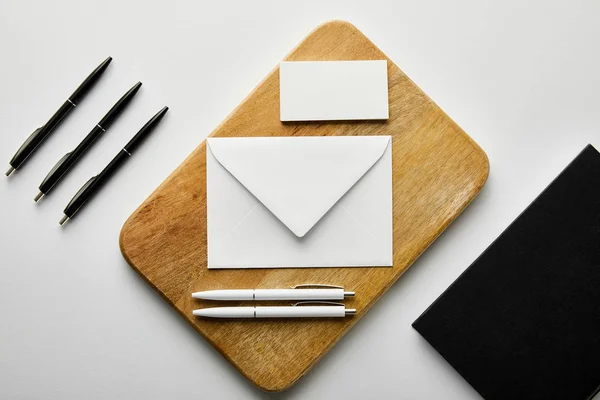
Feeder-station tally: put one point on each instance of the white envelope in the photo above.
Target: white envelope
(277, 202)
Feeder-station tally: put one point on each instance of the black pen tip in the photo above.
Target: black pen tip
(10, 171)
(63, 220)
(105, 63)
(38, 197)
(135, 88)
(159, 115)
(101, 68)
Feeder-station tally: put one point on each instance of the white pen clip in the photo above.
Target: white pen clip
(347, 311)
(319, 285)
(322, 285)
(331, 303)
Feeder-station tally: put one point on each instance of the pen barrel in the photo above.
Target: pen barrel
(57, 118)
(270, 294)
(94, 184)
(272, 312)
(111, 168)
(119, 106)
(301, 312)
(299, 294)
(225, 295)
(145, 131)
(87, 141)
(38, 136)
(66, 163)
(225, 312)
(89, 82)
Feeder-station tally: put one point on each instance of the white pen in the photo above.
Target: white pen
(324, 292)
(298, 310)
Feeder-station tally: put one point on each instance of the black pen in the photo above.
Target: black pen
(41, 133)
(95, 183)
(68, 160)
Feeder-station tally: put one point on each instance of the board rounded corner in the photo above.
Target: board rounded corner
(485, 167)
(334, 23)
(270, 387)
(125, 229)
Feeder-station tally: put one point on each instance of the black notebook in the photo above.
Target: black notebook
(523, 321)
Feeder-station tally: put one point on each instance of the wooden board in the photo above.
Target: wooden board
(437, 171)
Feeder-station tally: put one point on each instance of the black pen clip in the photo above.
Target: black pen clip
(55, 168)
(80, 191)
(59, 163)
(31, 137)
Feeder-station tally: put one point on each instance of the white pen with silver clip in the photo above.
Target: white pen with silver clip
(299, 292)
(298, 310)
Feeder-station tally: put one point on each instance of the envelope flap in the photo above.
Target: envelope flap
(298, 178)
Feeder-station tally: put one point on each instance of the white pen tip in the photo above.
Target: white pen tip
(201, 296)
(213, 295)
(63, 220)
(10, 171)
(211, 312)
(38, 197)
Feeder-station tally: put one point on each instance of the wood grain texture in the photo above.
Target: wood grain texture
(437, 171)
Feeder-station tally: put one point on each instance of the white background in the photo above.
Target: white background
(522, 78)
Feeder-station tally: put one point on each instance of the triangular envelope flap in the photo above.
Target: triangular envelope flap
(298, 178)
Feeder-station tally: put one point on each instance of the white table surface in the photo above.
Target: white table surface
(522, 78)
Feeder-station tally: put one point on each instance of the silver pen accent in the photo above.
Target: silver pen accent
(38, 197)
(63, 220)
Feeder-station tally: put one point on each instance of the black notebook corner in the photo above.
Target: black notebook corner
(523, 321)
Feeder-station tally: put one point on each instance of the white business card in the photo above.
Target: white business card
(333, 90)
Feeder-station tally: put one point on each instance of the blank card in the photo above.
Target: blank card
(333, 90)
